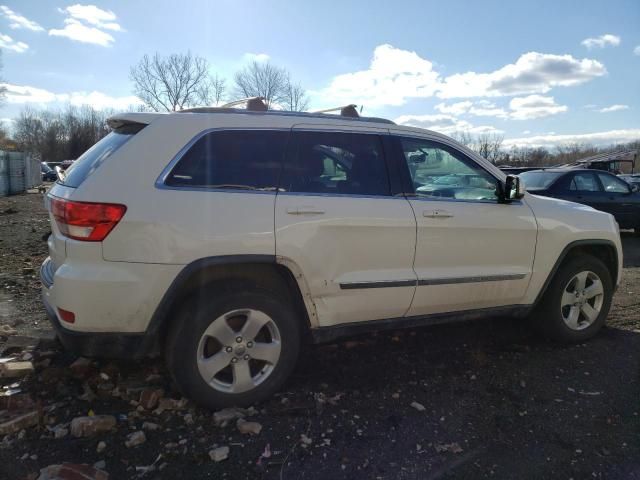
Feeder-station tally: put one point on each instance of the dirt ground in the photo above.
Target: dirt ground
(498, 401)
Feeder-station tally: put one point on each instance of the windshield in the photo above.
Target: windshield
(90, 160)
(539, 180)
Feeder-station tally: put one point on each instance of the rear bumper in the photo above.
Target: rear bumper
(103, 345)
(93, 344)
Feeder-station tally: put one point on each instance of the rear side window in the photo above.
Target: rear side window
(234, 159)
(584, 182)
(336, 163)
(90, 160)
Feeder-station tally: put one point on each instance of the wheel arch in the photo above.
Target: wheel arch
(604, 250)
(262, 270)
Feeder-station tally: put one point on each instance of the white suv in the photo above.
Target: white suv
(225, 239)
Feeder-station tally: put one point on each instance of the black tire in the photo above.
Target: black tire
(548, 318)
(198, 312)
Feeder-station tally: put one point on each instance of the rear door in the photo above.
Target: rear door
(581, 187)
(338, 220)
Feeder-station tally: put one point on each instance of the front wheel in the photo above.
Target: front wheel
(234, 349)
(577, 301)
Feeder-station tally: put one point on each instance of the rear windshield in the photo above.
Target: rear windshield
(90, 160)
(538, 180)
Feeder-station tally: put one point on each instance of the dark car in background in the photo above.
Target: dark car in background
(598, 189)
(631, 178)
(48, 173)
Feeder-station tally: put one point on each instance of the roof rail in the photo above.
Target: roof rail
(255, 104)
(350, 110)
(252, 104)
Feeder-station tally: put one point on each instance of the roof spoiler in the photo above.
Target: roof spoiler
(122, 119)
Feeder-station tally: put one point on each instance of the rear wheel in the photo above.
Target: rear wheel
(577, 301)
(235, 349)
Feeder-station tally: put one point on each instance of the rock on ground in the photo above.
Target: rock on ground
(135, 439)
(219, 454)
(72, 471)
(87, 426)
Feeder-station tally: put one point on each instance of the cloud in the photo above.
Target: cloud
(93, 15)
(81, 33)
(596, 138)
(256, 57)
(533, 72)
(445, 124)
(636, 51)
(484, 108)
(602, 41)
(520, 108)
(393, 76)
(10, 44)
(87, 24)
(614, 108)
(534, 106)
(23, 94)
(455, 108)
(18, 21)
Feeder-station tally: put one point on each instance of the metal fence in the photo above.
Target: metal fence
(18, 173)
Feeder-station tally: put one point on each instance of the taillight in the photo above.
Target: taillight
(90, 222)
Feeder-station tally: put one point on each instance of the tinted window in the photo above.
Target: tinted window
(584, 182)
(612, 184)
(337, 163)
(438, 170)
(540, 180)
(241, 159)
(90, 160)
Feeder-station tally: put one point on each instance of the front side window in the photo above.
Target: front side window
(439, 171)
(612, 184)
(232, 159)
(584, 182)
(336, 163)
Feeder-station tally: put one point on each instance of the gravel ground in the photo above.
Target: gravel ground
(476, 400)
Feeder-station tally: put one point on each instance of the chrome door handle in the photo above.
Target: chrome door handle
(306, 210)
(437, 214)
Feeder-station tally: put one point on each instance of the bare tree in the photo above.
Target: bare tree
(174, 82)
(463, 137)
(261, 79)
(489, 146)
(295, 97)
(274, 84)
(218, 89)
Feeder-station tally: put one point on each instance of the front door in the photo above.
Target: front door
(619, 201)
(472, 252)
(337, 220)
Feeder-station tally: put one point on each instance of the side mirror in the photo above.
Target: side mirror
(513, 188)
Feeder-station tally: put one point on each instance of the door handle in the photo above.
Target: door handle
(305, 210)
(437, 214)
